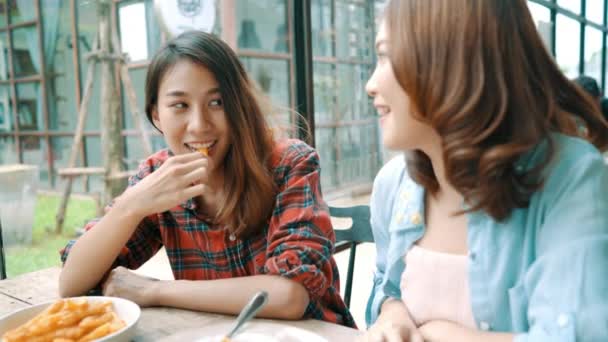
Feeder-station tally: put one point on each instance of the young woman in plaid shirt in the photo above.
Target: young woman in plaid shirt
(245, 216)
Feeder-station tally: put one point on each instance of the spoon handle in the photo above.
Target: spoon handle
(254, 305)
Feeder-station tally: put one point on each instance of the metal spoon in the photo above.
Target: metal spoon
(254, 305)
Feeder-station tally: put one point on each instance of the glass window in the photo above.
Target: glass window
(22, 10)
(571, 5)
(26, 54)
(262, 25)
(593, 53)
(542, 18)
(154, 32)
(59, 64)
(135, 152)
(272, 76)
(62, 147)
(87, 28)
(6, 109)
(353, 34)
(94, 159)
(568, 45)
(326, 140)
(322, 31)
(8, 151)
(138, 79)
(353, 101)
(4, 50)
(2, 13)
(29, 106)
(595, 11)
(133, 30)
(34, 150)
(324, 81)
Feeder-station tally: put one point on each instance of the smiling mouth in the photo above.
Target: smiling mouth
(201, 148)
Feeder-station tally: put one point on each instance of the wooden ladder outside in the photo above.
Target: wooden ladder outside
(100, 52)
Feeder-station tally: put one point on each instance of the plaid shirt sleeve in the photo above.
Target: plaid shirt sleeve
(146, 239)
(300, 234)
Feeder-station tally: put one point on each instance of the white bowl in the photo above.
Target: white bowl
(125, 309)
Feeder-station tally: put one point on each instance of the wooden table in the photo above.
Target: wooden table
(154, 323)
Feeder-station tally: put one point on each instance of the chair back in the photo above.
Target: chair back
(2, 258)
(360, 231)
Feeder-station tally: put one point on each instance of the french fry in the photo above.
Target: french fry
(69, 320)
(204, 151)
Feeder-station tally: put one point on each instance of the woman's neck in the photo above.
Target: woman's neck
(446, 191)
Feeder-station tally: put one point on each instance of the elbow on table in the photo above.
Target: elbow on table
(66, 286)
(295, 302)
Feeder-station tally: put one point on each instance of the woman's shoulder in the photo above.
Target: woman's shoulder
(152, 163)
(288, 151)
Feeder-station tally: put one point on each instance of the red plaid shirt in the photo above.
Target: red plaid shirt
(297, 243)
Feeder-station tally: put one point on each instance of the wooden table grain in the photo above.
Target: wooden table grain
(155, 323)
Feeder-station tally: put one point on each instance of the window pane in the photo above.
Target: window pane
(572, 5)
(4, 50)
(595, 11)
(568, 45)
(6, 109)
(26, 56)
(542, 18)
(62, 146)
(2, 13)
(133, 35)
(87, 27)
(324, 81)
(262, 25)
(325, 139)
(138, 78)
(22, 10)
(29, 106)
(272, 76)
(59, 64)
(8, 151)
(321, 28)
(593, 53)
(353, 34)
(153, 27)
(94, 159)
(33, 150)
(353, 101)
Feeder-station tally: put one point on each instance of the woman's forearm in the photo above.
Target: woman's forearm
(287, 299)
(93, 253)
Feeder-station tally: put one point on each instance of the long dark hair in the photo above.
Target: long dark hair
(478, 73)
(249, 185)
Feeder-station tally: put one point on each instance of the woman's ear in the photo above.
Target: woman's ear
(156, 119)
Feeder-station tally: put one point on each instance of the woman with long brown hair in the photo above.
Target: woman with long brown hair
(237, 209)
(493, 225)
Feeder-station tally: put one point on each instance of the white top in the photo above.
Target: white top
(435, 286)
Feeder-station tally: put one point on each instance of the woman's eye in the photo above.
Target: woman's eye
(216, 103)
(179, 105)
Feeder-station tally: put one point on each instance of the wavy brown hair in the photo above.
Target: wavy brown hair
(479, 74)
(249, 185)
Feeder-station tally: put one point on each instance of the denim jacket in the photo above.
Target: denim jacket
(541, 274)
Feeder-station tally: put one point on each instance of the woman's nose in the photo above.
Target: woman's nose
(370, 86)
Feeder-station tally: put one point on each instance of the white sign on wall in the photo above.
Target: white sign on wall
(177, 16)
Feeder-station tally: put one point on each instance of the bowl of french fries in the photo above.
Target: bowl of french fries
(73, 319)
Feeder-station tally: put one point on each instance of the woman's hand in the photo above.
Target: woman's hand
(125, 284)
(394, 324)
(180, 178)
